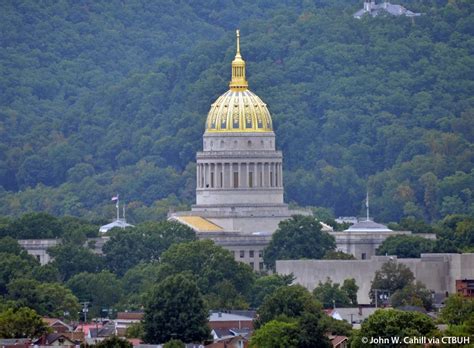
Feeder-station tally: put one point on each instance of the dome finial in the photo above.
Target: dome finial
(238, 82)
(238, 43)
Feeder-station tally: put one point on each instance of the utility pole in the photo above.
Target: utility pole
(85, 309)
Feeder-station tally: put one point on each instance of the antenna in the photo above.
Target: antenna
(117, 205)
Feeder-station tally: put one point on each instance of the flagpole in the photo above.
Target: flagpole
(123, 211)
(367, 204)
(117, 205)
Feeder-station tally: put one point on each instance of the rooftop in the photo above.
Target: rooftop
(198, 223)
(368, 225)
(121, 223)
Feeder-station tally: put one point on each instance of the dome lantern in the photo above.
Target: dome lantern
(238, 82)
(238, 110)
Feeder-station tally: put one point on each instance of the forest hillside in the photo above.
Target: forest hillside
(99, 98)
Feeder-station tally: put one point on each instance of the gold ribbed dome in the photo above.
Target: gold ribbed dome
(238, 110)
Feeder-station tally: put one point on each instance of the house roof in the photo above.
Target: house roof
(53, 337)
(336, 340)
(130, 315)
(52, 321)
(220, 316)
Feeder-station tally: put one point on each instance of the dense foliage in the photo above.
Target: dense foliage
(23, 322)
(291, 314)
(106, 97)
(392, 323)
(299, 237)
(176, 310)
(394, 283)
(331, 295)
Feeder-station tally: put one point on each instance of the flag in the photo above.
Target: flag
(115, 198)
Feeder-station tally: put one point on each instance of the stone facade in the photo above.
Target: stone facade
(438, 272)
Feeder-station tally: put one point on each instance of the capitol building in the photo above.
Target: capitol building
(239, 174)
(239, 181)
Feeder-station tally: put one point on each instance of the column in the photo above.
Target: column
(248, 171)
(239, 170)
(197, 176)
(281, 174)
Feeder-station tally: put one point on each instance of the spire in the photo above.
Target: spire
(238, 82)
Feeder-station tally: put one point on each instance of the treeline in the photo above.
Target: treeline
(133, 261)
(100, 98)
(161, 267)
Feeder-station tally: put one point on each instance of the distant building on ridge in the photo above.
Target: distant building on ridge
(374, 9)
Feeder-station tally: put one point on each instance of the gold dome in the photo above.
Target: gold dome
(238, 110)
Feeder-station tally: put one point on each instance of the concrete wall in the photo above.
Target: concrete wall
(363, 244)
(437, 271)
(38, 248)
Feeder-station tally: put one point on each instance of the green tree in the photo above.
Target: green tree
(9, 245)
(144, 243)
(71, 259)
(176, 310)
(213, 267)
(457, 310)
(388, 323)
(350, 287)
(135, 330)
(48, 299)
(338, 255)
(102, 290)
(392, 276)
(329, 294)
(412, 295)
(21, 323)
(174, 344)
(35, 226)
(405, 246)
(114, 342)
(276, 334)
(266, 285)
(289, 301)
(296, 238)
(12, 267)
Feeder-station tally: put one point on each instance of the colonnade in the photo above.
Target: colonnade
(239, 174)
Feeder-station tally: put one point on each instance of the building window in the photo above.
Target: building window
(260, 266)
(261, 179)
(242, 254)
(212, 179)
(38, 257)
(236, 179)
(221, 181)
(271, 179)
(252, 265)
(251, 253)
(250, 179)
(363, 256)
(260, 253)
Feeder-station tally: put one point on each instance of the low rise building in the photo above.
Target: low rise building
(465, 287)
(438, 272)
